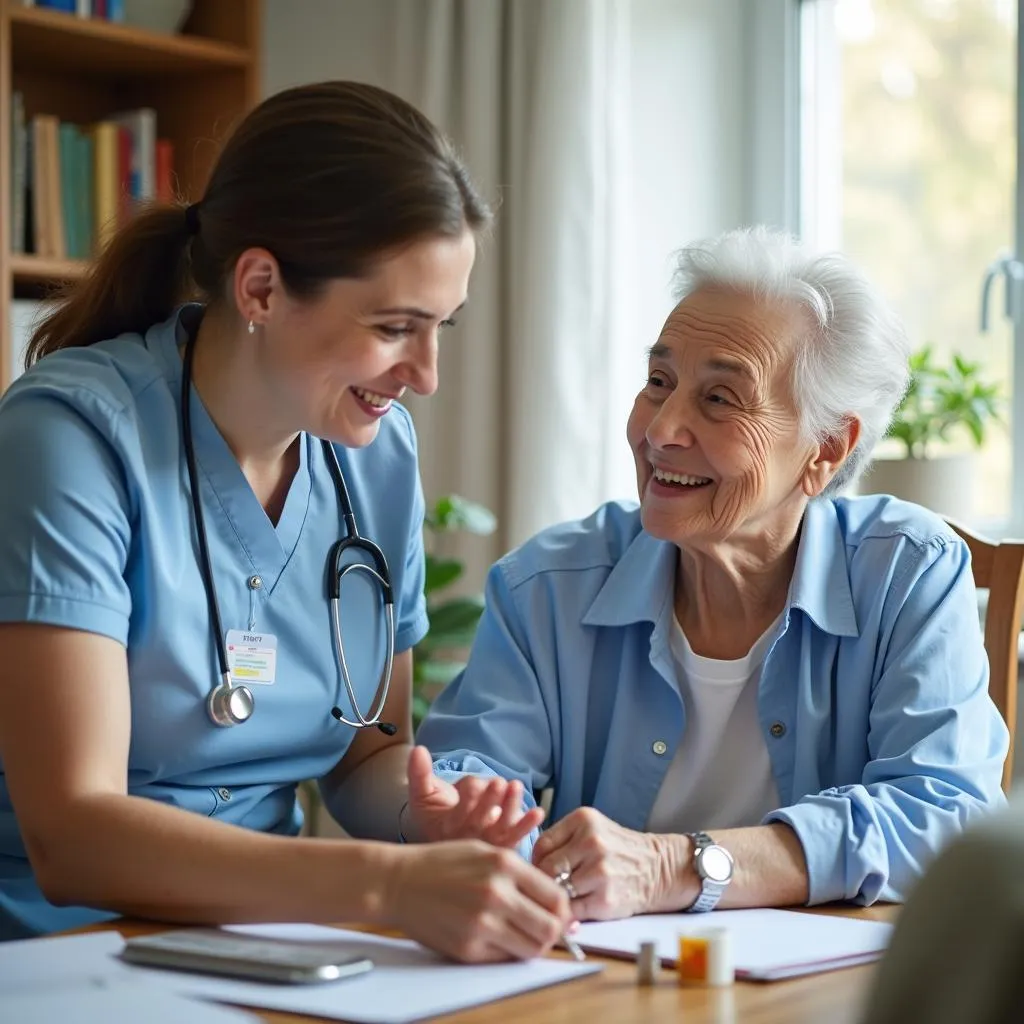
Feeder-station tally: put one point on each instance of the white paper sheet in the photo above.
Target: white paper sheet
(72, 961)
(79, 979)
(767, 944)
(117, 1003)
(408, 983)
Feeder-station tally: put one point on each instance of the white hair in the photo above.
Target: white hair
(855, 359)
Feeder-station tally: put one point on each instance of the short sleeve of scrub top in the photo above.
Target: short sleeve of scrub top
(97, 534)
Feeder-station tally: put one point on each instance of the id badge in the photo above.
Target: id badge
(252, 657)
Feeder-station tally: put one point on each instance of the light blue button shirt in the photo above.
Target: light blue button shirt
(96, 533)
(873, 698)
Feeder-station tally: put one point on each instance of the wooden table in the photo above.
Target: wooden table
(614, 996)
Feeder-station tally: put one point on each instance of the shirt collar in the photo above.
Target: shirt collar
(164, 338)
(642, 580)
(821, 577)
(639, 585)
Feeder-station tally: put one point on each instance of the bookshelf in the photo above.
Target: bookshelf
(83, 70)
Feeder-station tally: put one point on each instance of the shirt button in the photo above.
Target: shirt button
(224, 793)
(778, 730)
(659, 747)
(254, 582)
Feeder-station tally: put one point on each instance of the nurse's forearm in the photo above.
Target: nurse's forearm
(769, 868)
(133, 856)
(366, 804)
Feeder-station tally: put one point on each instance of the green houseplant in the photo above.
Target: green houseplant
(947, 403)
(942, 399)
(438, 657)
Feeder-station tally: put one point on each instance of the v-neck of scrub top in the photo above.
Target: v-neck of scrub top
(228, 493)
(268, 547)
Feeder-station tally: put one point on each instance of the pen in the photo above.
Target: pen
(563, 878)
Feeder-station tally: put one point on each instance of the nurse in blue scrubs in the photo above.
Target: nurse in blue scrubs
(168, 508)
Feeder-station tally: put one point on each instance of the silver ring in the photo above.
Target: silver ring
(564, 879)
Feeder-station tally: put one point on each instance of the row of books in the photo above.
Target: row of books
(73, 185)
(111, 10)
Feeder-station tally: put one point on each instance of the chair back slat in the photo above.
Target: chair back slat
(999, 568)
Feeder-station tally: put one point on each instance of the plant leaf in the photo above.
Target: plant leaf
(441, 673)
(455, 616)
(458, 513)
(441, 572)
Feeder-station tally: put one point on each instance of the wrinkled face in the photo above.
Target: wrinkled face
(715, 430)
(337, 362)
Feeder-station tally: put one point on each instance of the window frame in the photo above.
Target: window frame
(788, 18)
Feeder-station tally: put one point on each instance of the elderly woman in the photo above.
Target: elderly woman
(749, 690)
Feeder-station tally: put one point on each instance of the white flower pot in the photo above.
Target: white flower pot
(944, 484)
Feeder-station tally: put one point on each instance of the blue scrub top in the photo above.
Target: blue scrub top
(97, 534)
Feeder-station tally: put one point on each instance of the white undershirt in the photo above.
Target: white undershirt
(720, 776)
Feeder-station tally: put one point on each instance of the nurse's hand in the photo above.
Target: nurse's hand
(473, 808)
(473, 902)
(615, 871)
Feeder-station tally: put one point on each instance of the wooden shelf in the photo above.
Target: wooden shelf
(45, 40)
(199, 83)
(36, 270)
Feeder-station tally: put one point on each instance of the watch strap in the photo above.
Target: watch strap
(710, 890)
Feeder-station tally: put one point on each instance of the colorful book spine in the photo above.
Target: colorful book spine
(67, 148)
(54, 198)
(164, 171)
(19, 173)
(106, 182)
(40, 190)
(141, 127)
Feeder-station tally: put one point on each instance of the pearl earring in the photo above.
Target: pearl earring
(251, 328)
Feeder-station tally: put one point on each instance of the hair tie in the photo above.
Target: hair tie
(192, 218)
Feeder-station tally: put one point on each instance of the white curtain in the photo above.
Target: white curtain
(537, 379)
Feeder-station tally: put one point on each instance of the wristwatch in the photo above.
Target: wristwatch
(713, 864)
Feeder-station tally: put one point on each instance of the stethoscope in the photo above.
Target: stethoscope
(229, 704)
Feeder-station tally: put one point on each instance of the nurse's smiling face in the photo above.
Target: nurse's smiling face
(335, 363)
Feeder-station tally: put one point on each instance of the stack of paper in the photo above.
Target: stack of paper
(43, 980)
(767, 944)
(116, 1003)
(79, 980)
(408, 983)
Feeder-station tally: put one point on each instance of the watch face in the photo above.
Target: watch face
(716, 864)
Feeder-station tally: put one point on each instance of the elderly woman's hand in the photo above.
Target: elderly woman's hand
(615, 871)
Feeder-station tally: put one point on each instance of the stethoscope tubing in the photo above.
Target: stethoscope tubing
(222, 695)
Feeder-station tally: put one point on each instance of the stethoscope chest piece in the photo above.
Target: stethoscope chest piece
(230, 705)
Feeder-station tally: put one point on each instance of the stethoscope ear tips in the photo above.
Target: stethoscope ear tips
(385, 727)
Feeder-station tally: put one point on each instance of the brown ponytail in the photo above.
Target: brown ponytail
(136, 282)
(327, 177)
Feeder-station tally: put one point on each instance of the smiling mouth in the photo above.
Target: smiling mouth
(372, 398)
(681, 480)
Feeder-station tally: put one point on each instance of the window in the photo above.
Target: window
(908, 162)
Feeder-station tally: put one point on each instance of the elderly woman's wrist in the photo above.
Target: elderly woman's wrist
(677, 885)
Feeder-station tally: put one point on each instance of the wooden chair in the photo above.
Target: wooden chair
(999, 568)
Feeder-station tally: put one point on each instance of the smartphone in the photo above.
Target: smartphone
(240, 955)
